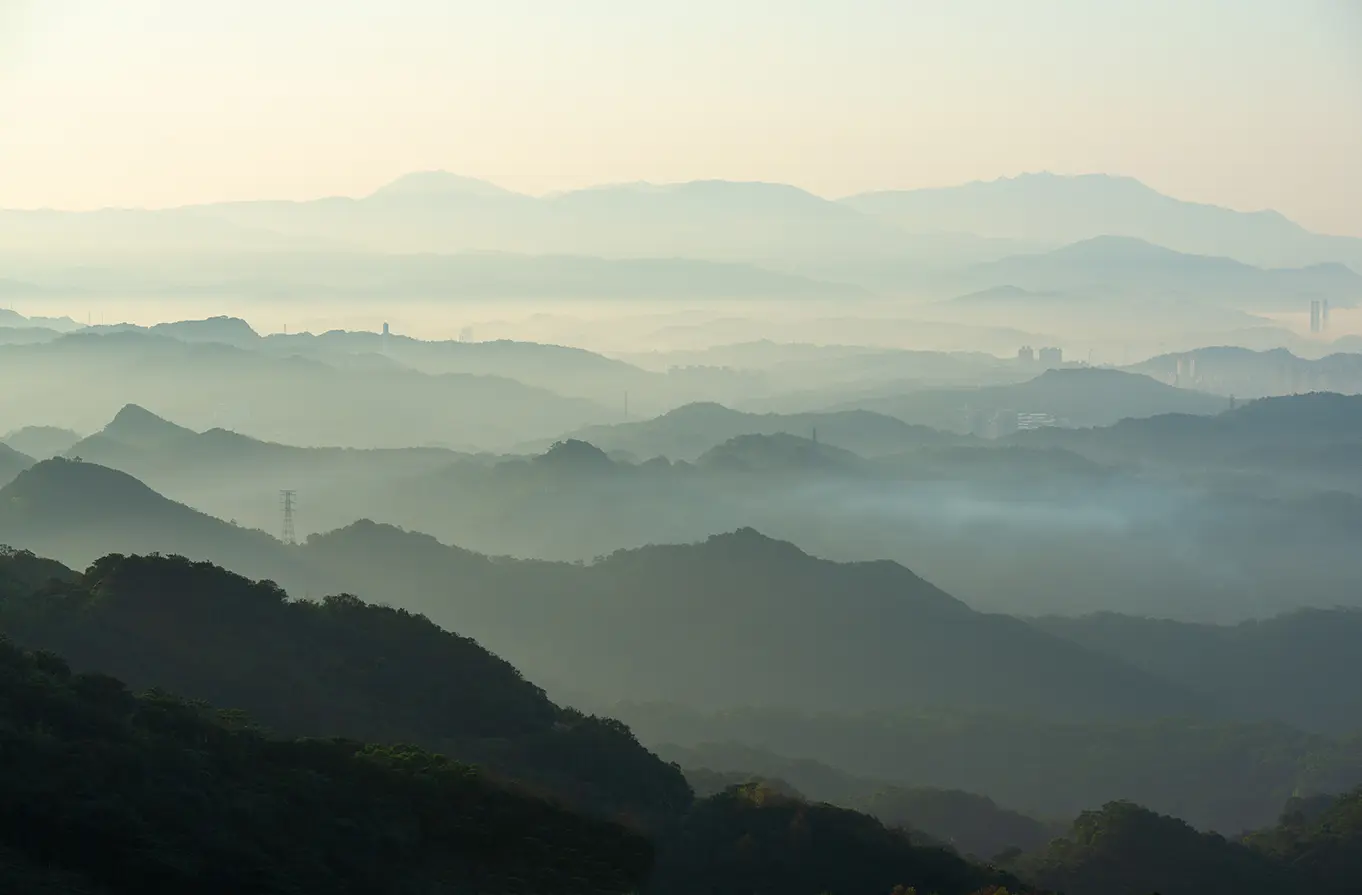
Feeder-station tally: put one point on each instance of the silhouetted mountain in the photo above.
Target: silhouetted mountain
(1255, 374)
(752, 838)
(1285, 668)
(1125, 267)
(1059, 209)
(456, 276)
(41, 442)
(1087, 300)
(569, 371)
(338, 668)
(222, 330)
(1322, 841)
(10, 319)
(1297, 434)
(27, 335)
(997, 297)
(1216, 775)
(82, 379)
(971, 824)
(76, 512)
(573, 457)
(551, 618)
(630, 626)
(780, 454)
(109, 793)
(1075, 397)
(12, 463)
(233, 476)
(433, 184)
(687, 432)
(1124, 849)
(779, 227)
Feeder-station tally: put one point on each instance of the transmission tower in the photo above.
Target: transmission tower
(287, 502)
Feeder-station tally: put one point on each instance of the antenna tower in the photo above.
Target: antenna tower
(287, 502)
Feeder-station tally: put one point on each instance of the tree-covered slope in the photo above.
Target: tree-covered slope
(103, 791)
(742, 619)
(338, 667)
(751, 838)
(1124, 849)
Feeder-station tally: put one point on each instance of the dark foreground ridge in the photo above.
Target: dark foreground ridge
(105, 791)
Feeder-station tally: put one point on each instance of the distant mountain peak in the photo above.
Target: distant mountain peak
(136, 421)
(702, 410)
(222, 327)
(61, 483)
(1108, 246)
(575, 454)
(439, 183)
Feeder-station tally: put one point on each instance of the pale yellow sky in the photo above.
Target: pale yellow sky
(1244, 103)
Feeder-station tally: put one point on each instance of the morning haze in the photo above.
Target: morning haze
(867, 448)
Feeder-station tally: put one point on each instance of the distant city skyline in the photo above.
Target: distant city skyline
(1249, 105)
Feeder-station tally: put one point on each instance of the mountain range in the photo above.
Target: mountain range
(554, 620)
(79, 381)
(1110, 267)
(1081, 396)
(437, 234)
(688, 432)
(1064, 209)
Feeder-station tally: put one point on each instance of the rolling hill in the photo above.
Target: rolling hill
(166, 795)
(237, 477)
(337, 668)
(1060, 209)
(756, 608)
(41, 442)
(1123, 267)
(687, 432)
(12, 463)
(79, 381)
(1305, 436)
(1075, 397)
(1285, 667)
(76, 512)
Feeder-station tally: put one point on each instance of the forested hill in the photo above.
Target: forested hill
(78, 511)
(11, 463)
(1124, 849)
(202, 799)
(751, 838)
(338, 667)
(630, 626)
(106, 793)
(775, 627)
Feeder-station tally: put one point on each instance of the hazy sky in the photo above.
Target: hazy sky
(1245, 103)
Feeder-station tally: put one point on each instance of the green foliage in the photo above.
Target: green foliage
(105, 791)
(972, 824)
(1322, 843)
(339, 667)
(1213, 774)
(754, 839)
(1124, 849)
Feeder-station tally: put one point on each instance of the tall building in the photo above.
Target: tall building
(1186, 372)
(1026, 354)
(1315, 316)
(1052, 357)
(1029, 421)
